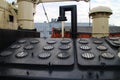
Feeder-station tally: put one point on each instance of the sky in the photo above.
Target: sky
(52, 10)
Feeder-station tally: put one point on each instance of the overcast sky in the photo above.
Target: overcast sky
(52, 10)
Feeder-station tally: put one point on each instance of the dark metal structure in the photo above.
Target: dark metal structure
(24, 56)
(7, 37)
(62, 17)
(61, 59)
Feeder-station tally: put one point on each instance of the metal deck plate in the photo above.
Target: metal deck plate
(107, 55)
(51, 41)
(70, 64)
(34, 41)
(6, 53)
(42, 54)
(88, 55)
(22, 41)
(113, 42)
(21, 54)
(63, 55)
(15, 46)
(83, 41)
(102, 54)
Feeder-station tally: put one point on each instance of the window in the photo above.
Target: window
(11, 18)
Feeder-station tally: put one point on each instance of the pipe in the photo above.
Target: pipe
(63, 29)
(62, 17)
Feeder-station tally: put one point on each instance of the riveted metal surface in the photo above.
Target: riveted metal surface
(40, 51)
(73, 63)
(102, 54)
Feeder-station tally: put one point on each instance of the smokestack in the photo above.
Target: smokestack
(25, 14)
(100, 25)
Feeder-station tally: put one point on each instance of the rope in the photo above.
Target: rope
(45, 12)
(46, 16)
(89, 11)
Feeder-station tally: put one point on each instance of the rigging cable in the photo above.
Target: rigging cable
(45, 12)
(89, 11)
(46, 17)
